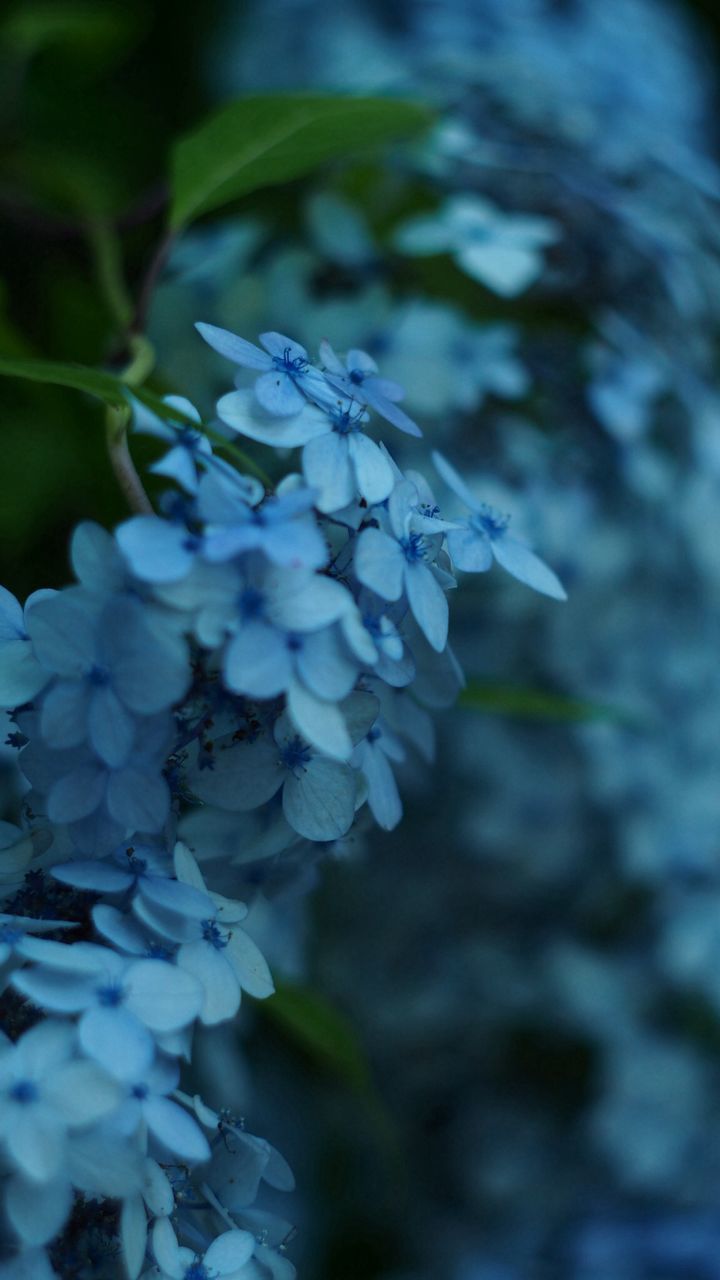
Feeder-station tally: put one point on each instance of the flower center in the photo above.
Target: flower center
(213, 934)
(414, 547)
(293, 366)
(347, 421)
(110, 995)
(295, 754)
(489, 521)
(251, 603)
(24, 1091)
(197, 1271)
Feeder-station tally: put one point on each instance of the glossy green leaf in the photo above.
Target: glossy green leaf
(263, 140)
(103, 386)
(320, 1031)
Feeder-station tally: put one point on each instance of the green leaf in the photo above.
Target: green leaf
(268, 139)
(114, 393)
(323, 1033)
(103, 386)
(84, 29)
(533, 704)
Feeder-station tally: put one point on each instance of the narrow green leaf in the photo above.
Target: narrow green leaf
(320, 1031)
(533, 704)
(103, 386)
(267, 139)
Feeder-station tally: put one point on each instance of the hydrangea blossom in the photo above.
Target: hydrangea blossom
(245, 669)
(501, 250)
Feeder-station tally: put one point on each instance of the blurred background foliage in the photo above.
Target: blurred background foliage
(483, 1003)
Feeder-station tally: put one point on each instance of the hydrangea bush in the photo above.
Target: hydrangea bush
(232, 678)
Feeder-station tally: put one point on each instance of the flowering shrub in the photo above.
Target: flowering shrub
(257, 648)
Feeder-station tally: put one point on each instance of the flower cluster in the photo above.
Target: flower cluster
(257, 649)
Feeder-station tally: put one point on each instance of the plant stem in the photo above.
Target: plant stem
(117, 421)
(107, 256)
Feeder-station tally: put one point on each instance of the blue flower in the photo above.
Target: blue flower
(501, 250)
(372, 757)
(401, 562)
(146, 1102)
(318, 793)
(358, 380)
(113, 668)
(485, 536)
(287, 378)
(21, 675)
(221, 956)
(45, 1091)
(99, 804)
(123, 1003)
(282, 527)
(189, 447)
(339, 460)
(224, 1259)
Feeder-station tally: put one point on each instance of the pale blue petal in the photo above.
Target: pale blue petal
(121, 930)
(303, 601)
(325, 665)
(149, 672)
(182, 405)
(299, 545)
(95, 558)
(277, 393)
(249, 965)
(373, 473)
(112, 728)
(257, 661)
(156, 550)
(117, 1041)
(38, 1211)
(178, 465)
(229, 1252)
(55, 990)
(506, 269)
(360, 712)
(321, 723)
(86, 873)
(281, 346)
(327, 468)
(234, 348)
(524, 565)
(426, 234)
(391, 412)
(64, 714)
(469, 550)
(241, 411)
(383, 795)
(454, 481)
(221, 990)
(162, 996)
(176, 1130)
(78, 794)
(379, 564)
(174, 896)
(12, 626)
(428, 604)
(62, 630)
(320, 803)
(137, 799)
(21, 676)
(246, 775)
